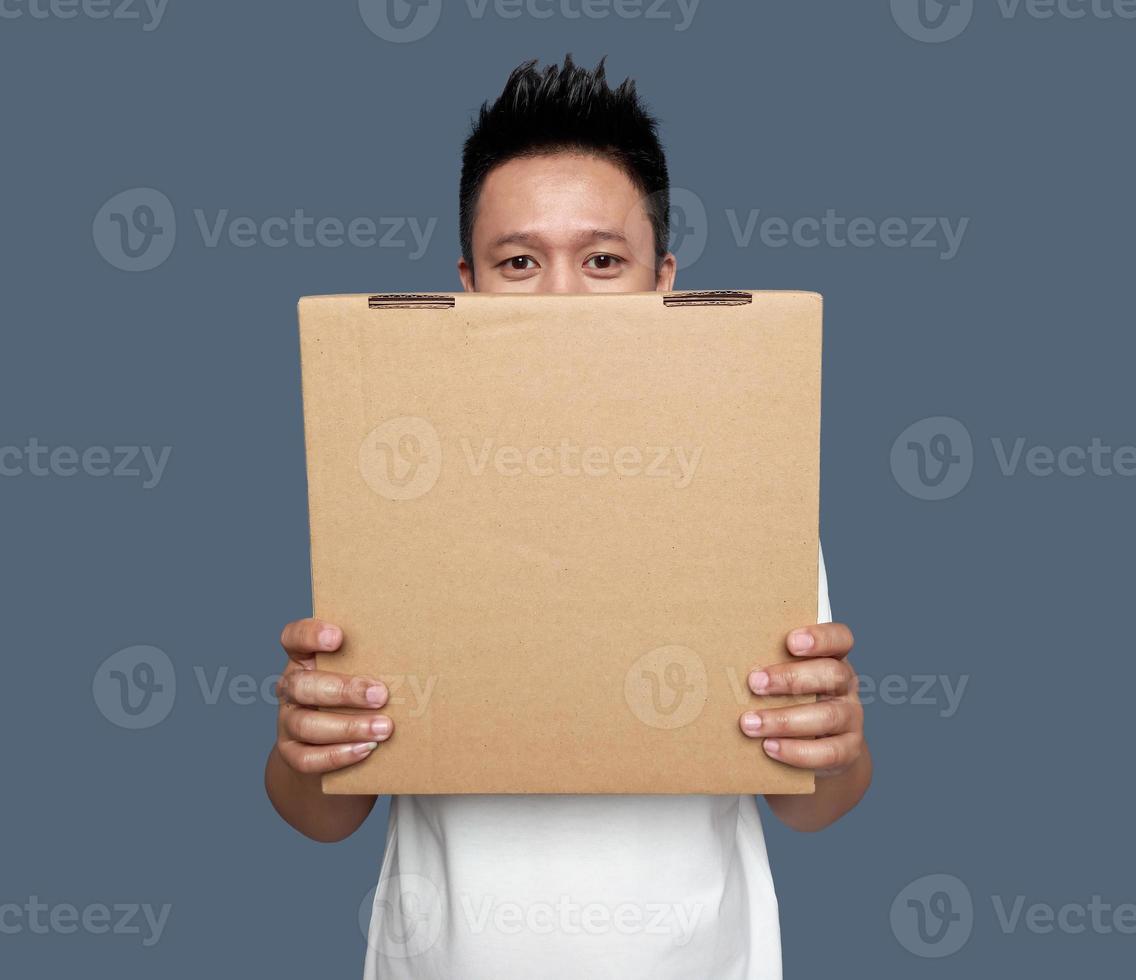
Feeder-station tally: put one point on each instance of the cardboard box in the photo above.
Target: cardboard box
(563, 529)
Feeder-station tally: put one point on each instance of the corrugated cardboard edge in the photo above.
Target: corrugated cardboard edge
(452, 300)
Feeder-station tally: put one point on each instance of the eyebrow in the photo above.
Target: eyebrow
(528, 238)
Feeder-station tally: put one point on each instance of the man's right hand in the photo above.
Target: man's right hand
(311, 741)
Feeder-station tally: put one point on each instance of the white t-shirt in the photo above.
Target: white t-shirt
(576, 887)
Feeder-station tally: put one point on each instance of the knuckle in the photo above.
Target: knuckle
(826, 754)
(299, 688)
(305, 725)
(789, 678)
(831, 716)
(333, 688)
(834, 677)
(311, 761)
(294, 756)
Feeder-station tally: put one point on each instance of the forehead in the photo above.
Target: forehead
(558, 194)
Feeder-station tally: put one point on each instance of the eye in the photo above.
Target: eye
(519, 263)
(604, 262)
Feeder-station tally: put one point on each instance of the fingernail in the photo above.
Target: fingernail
(751, 723)
(364, 747)
(376, 694)
(329, 638)
(800, 641)
(772, 746)
(758, 681)
(381, 728)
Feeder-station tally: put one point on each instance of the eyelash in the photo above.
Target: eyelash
(507, 264)
(616, 260)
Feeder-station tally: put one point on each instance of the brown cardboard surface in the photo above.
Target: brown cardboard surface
(563, 529)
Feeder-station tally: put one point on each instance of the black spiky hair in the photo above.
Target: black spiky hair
(566, 108)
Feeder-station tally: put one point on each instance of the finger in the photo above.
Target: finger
(832, 717)
(324, 689)
(306, 637)
(329, 728)
(323, 758)
(825, 676)
(819, 754)
(822, 640)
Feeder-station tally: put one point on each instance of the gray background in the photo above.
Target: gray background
(1017, 583)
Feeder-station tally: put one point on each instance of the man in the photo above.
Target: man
(564, 189)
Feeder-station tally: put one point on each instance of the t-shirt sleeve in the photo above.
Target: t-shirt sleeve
(824, 607)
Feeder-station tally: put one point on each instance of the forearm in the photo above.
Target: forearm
(300, 800)
(834, 797)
